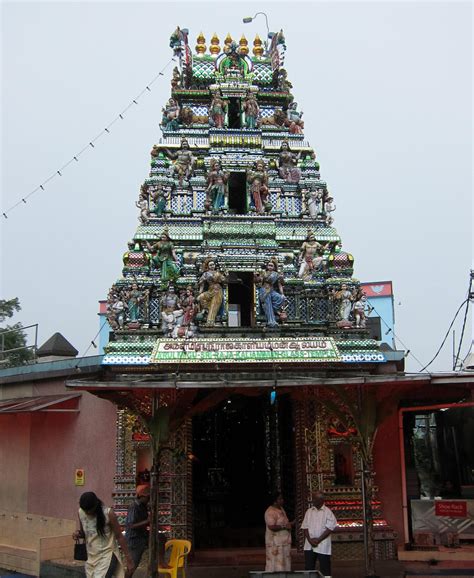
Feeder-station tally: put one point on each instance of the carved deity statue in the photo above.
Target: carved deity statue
(170, 120)
(294, 120)
(216, 191)
(359, 312)
(164, 258)
(160, 199)
(184, 162)
(345, 298)
(288, 164)
(210, 290)
(313, 202)
(133, 298)
(251, 109)
(258, 185)
(270, 292)
(217, 110)
(171, 313)
(310, 257)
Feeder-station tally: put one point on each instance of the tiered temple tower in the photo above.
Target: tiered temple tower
(236, 267)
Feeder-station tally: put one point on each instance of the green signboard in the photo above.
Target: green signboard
(245, 350)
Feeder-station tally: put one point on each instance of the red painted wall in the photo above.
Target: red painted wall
(40, 452)
(60, 443)
(388, 473)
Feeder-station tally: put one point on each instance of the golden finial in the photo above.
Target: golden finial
(228, 40)
(244, 45)
(257, 46)
(214, 48)
(201, 44)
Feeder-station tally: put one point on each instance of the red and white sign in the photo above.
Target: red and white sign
(451, 508)
(377, 289)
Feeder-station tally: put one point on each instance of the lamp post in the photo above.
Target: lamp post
(249, 19)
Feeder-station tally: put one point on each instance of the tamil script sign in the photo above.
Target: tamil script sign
(245, 350)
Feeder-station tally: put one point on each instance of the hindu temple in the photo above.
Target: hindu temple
(237, 311)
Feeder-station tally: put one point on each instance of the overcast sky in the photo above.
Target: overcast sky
(386, 93)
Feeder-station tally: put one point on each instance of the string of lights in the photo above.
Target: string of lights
(90, 145)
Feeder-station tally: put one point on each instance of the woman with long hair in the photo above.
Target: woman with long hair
(101, 530)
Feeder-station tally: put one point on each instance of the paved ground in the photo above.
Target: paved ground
(385, 569)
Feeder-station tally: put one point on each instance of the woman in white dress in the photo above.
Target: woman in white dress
(101, 530)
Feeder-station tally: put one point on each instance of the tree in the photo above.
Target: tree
(13, 345)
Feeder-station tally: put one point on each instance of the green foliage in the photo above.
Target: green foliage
(13, 342)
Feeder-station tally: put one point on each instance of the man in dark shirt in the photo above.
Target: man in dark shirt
(136, 526)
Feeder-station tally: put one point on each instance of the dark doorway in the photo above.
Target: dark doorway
(234, 113)
(240, 299)
(237, 194)
(234, 447)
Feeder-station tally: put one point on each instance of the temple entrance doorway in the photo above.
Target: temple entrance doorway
(240, 299)
(243, 451)
(234, 113)
(237, 193)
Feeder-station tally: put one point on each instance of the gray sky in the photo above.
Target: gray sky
(386, 93)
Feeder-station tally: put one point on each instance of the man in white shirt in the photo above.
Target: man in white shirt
(318, 524)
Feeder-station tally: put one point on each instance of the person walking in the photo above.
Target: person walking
(318, 524)
(136, 526)
(101, 530)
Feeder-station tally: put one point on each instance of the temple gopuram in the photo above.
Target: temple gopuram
(238, 312)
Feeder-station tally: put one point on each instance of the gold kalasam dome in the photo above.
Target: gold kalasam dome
(244, 45)
(201, 44)
(257, 46)
(228, 40)
(214, 48)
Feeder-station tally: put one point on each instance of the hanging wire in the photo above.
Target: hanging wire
(468, 302)
(447, 334)
(90, 144)
(91, 344)
(395, 336)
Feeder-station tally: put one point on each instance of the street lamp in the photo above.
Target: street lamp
(249, 19)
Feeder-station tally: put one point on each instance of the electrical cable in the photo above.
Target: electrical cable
(447, 334)
(468, 301)
(90, 144)
(92, 343)
(395, 336)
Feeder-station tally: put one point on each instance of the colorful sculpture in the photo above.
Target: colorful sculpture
(251, 109)
(210, 291)
(216, 192)
(183, 166)
(288, 164)
(258, 185)
(310, 257)
(270, 292)
(164, 258)
(217, 111)
(170, 120)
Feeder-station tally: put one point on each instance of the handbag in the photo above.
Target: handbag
(80, 551)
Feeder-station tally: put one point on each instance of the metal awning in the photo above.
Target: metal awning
(64, 403)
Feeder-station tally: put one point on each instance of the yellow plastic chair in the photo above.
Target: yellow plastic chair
(179, 550)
